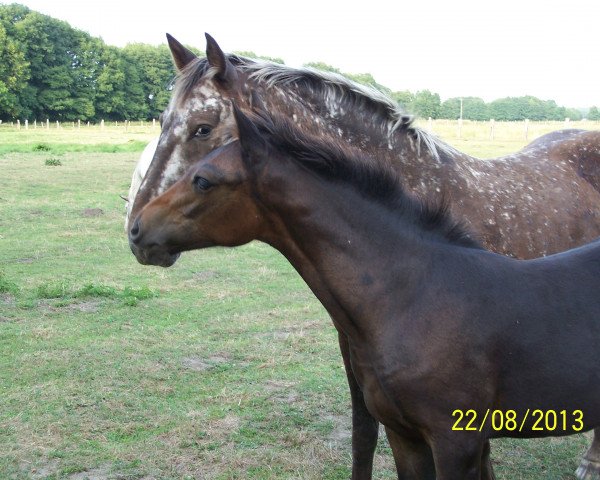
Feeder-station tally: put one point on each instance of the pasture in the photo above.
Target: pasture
(223, 366)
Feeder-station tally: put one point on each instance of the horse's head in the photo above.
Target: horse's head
(214, 203)
(197, 120)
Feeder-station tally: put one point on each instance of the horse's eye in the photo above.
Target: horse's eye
(203, 131)
(202, 184)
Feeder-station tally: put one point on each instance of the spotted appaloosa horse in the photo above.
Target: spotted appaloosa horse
(541, 200)
(436, 324)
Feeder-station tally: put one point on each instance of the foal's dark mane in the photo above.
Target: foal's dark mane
(344, 93)
(337, 162)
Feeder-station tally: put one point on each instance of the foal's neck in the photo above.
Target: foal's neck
(351, 250)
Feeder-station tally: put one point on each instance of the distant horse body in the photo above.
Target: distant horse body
(435, 324)
(541, 200)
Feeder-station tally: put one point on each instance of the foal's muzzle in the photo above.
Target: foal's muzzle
(147, 249)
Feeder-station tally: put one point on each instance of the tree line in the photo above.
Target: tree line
(50, 70)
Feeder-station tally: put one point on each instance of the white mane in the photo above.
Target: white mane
(337, 89)
(138, 176)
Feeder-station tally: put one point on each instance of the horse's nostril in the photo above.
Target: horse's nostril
(134, 233)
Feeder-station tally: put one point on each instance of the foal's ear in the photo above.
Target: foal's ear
(217, 59)
(251, 140)
(181, 55)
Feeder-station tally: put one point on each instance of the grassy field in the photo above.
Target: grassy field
(221, 367)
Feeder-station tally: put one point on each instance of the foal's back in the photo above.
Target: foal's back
(537, 324)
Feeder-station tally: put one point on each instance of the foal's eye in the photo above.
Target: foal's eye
(203, 131)
(202, 184)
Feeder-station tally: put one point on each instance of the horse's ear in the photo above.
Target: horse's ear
(181, 55)
(251, 140)
(217, 59)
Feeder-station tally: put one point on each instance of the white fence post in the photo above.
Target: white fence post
(492, 125)
(526, 129)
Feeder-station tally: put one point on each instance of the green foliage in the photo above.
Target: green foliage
(129, 296)
(53, 162)
(250, 54)
(14, 74)
(593, 114)
(405, 99)
(50, 70)
(41, 147)
(474, 108)
(528, 107)
(149, 72)
(323, 67)
(362, 78)
(426, 104)
(6, 286)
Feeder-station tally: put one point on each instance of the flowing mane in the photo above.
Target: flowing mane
(338, 94)
(335, 161)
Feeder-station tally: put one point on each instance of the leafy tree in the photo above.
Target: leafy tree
(474, 108)
(404, 98)
(61, 83)
(250, 54)
(593, 114)
(426, 104)
(573, 114)
(323, 66)
(450, 108)
(150, 69)
(111, 85)
(50, 70)
(14, 73)
(362, 78)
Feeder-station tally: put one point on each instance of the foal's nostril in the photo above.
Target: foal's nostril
(134, 233)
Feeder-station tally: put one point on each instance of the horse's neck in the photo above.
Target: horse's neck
(349, 249)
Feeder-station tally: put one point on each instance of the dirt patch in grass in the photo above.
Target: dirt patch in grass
(25, 260)
(100, 473)
(202, 364)
(342, 429)
(205, 275)
(92, 212)
(91, 306)
(43, 470)
(7, 299)
(281, 391)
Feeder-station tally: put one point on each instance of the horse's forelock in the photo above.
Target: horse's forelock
(198, 69)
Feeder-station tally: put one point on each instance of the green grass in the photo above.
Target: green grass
(223, 366)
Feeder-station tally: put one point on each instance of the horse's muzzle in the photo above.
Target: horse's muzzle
(146, 250)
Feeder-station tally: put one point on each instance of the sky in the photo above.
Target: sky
(489, 49)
